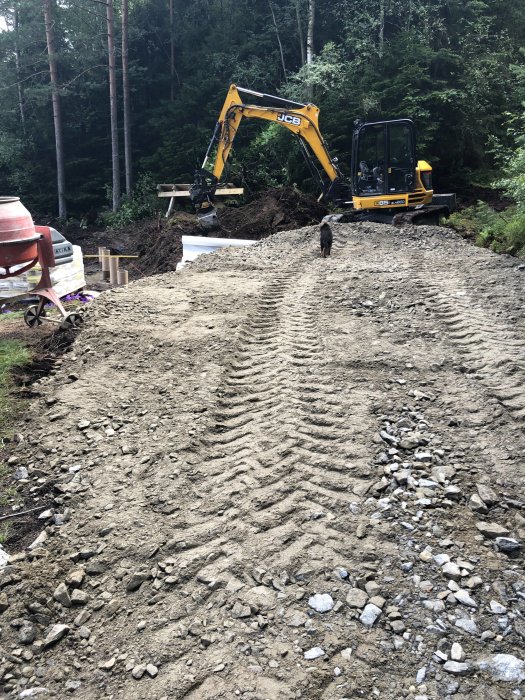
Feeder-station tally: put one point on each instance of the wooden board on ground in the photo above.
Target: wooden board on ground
(184, 191)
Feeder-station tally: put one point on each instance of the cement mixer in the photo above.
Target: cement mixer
(22, 246)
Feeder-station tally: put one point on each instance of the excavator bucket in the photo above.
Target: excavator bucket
(207, 218)
(181, 193)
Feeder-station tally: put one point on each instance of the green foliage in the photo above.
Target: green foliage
(502, 232)
(142, 204)
(513, 181)
(13, 354)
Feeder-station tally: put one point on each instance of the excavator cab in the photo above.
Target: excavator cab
(383, 160)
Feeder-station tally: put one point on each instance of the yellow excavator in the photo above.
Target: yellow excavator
(387, 184)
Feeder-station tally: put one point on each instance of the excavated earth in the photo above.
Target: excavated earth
(273, 476)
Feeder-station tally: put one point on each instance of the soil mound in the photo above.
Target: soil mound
(158, 241)
(278, 209)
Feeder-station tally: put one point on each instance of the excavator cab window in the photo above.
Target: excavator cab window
(370, 160)
(384, 160)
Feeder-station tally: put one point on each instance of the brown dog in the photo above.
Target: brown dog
(326, 240)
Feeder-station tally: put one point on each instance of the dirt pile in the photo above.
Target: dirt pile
(279, 209)
(278, 476)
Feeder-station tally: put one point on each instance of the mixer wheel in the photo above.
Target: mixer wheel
(72, 320)
(33, 316)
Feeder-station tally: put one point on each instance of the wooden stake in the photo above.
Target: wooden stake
(122, 277)
(105, 263)
(113, 270)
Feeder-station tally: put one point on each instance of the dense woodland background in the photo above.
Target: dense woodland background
(457, 67)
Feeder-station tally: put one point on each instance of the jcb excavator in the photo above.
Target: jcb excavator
(387, 182)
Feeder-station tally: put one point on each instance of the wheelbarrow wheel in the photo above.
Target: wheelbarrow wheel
(33, 317)
(72, 320)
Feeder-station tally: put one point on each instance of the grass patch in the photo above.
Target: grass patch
(11, 316)
(5, 531)
(502, 232)
(13, 353)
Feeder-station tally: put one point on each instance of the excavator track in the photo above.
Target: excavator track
(426, 216)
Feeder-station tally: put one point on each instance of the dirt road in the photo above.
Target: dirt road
(267, 435)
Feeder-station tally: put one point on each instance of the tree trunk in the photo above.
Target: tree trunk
(57, 114)
(278, 40)
(381, 27)
(300, 30)
(126, 100)
(310, 43)
(172, 53)
(18, 74)
(113, 105)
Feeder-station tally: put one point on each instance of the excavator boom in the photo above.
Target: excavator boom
(300, 119)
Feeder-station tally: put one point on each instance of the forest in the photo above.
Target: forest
(127, 92)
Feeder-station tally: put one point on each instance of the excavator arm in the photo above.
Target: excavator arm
(300, 119)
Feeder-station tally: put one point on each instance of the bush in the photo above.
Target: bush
(502, 232)
(142, 204)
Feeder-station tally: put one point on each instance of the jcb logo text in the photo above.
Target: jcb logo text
(289, 119)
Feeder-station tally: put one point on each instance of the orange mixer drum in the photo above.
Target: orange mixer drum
(18, 238)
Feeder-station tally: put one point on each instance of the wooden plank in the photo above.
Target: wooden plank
(224, 192)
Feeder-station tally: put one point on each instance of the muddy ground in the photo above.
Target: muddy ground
(158, 242)
(234, 448)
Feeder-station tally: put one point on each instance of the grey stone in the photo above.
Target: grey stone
(20, 473)
(138, 671)
(239, 610)
(487, 495)
(314, 653)
(370, 614)
(390, 439)
(27, 633)
(456, 652)
(452, 571)
(321, 602)
(427, 484)
(441, 559)
(136, 580)
(436, 606)
(477, 505)
(55, 634)
(356, 598)
(71, 686)
(422, 457)
(457, 668)
(492, 530)
(453, 492)
(503, 667)
(467, 625)
(508, 545)
(464, 598)
(497, 608)
(151, 670)
(75, 578)
(79, 597)
(33, 692)
(61, 595)
(108, 665)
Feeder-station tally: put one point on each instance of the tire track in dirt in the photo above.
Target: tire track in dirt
(490, 347)
(276, 461)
